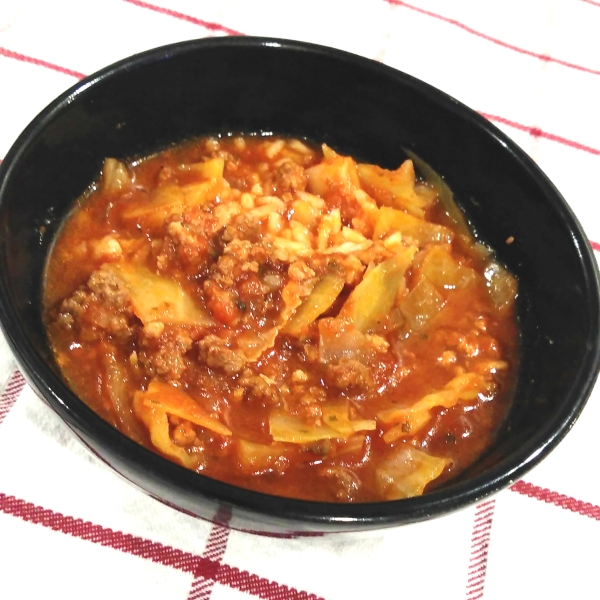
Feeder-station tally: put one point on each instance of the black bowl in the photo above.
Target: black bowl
(359, 107)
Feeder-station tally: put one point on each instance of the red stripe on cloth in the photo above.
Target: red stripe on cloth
(592, 2)
(172, 13)
(39, 62)
(154, 551)
(535, 132)
(202, 587)
(595, 246)
(13, 388)
(561, 500)
(97, 534)
(480, 541)
(489, 38)
(263, 588)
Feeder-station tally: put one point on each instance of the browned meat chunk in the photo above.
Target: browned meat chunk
(259, 387)
(349, 372)
(109, 289)
(103, 304)
(215, 353)
(289, 177)
(165, 354)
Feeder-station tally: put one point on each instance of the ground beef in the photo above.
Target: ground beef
(165, 355)
(250, 256)
(259, 387)
(349, 372)
(109, 289)
(227, 271)
(300, 271)
(215, 353)
(289, 177)
(244, 227)
(251, 288)
(101, 306)
(346, 482)
(239, 249)
(187, 242)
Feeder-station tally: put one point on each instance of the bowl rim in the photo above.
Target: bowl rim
(373, 514)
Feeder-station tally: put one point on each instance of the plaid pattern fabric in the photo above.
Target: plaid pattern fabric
(72, 528)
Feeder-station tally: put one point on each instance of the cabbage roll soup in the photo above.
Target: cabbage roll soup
(278, 316)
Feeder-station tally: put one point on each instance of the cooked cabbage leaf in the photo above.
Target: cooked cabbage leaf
(164, 397)
(445, 195)
(406, 472)
(373, 298)
(394, 188)
(413, 418)
(157, 423)
(161, 400)
(320, 299)
(422, 304)
(339, 340)
(337, 417)
(502, 286)
(172, 199)
(156, 298)
(443, 270)
(256, 459)
(335, 174)
(336, 424)
(424, 232)
(115, 175)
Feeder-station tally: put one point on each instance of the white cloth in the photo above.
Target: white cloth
(71, 528)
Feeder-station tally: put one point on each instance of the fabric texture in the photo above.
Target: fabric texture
(72, 528)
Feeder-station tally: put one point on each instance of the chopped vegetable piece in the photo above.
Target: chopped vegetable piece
(292, 295)
(115, 382)
(355, 443)
(337, 417)
(406, 472)
(173, 401)
(335, 174)
(424, 232)
(320, 299)
(336, 424)
(502, 285)
(373, 298)
(171, 199)
(306, 213)
(444, 271)
(115, 176)
(412, 418)
(394, 188)
(209, 169)
(288, 428)
(258, 459)
(156, 298)
(157, 422)
(422, 304)
(339, 340)
(445, 195)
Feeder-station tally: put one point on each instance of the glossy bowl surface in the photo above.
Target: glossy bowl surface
(360, 107)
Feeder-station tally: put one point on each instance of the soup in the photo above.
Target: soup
(281, 317)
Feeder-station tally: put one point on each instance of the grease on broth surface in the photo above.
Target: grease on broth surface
(283, 318)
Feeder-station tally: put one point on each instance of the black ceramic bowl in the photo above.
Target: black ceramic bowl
(359, 107)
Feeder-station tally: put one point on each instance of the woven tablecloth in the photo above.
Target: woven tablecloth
(71, 528)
